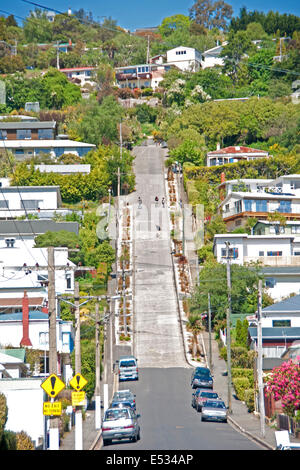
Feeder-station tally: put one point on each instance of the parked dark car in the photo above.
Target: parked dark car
(203, 396)
(201, 377)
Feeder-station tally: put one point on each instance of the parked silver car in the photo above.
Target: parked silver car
(128, 368)
(214, 410)
(120, 423)
(125, 396)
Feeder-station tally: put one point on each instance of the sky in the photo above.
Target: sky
(140, 13)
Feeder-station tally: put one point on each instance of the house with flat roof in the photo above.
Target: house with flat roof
(80, 75)
(212, 57)
(27, 149)
(141, 76)
(259, 199)
(28, 130)
(187, 59)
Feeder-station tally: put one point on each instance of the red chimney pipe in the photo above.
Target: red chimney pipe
(25, 341)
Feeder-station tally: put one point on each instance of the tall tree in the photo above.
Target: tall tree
(211, 14)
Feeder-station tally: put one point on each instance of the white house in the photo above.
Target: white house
(234, 154)
(11, 364)
(64, 169)
(259, 199)
(280, 327)
(185, 58)
(24, 399)
(211, 57)
(81, 75)
(42, 201)
(278, 255)
(141, 75)
(27, 149)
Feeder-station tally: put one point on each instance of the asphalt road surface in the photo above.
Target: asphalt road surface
(168, 421)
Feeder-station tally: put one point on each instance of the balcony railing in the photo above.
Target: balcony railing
(273, 260)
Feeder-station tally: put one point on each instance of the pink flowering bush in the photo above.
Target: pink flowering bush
(284, 385)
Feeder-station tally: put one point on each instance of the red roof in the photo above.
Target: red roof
(237, 150)
(17, 302)
(76, 69)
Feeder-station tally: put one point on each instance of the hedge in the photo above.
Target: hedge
(240, 385)
(249, 399)
(238, 372)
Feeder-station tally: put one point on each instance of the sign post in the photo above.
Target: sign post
(53, 385)
(78, 400)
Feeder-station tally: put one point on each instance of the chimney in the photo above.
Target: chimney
(25, 341)
(222, 188)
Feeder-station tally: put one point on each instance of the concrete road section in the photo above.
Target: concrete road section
(158, 341)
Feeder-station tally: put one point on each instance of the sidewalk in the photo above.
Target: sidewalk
(240, 418)
(91, 437)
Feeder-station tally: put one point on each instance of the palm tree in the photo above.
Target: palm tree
(194, 324)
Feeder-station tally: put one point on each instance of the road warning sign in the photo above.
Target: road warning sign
(53, 385)
(78, 382)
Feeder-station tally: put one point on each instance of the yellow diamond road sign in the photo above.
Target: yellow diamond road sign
(78, 382)
(53, 385)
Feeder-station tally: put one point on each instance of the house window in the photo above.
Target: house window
(238, 222)
(10, 242)
(44, 339)
(3, 135)
(69, 281)
(30, 204)
(4, 205)
(262, 206)
(261, 253)
(274, 253)
(19, 152)
(295, 228)
(233, 253)
(226, 208)
(281, 323)
(285, 206)
(276, 229)
(296, 253)
(23, 134)
(45, 134)
(238, 206)
(270, 282)
(248, 205)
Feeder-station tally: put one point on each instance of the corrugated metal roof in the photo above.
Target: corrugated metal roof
(18, 316)
(291, 304)
(237, 150)
(278, 332)
(28, 125)
(36, 227)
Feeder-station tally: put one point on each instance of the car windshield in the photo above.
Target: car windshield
(202, 376)
(209, 395)
(215, 404)
(113, 415)
(120, 403)
(127, 363)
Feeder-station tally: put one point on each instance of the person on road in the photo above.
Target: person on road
(156, 201)
(163, 202)
(140, 202)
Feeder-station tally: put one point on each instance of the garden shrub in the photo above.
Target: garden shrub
(240, 385)
(240, 372)
(249, 399)
(24, 441)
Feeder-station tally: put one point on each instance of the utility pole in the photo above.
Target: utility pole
(78, 411)
(54, 424)
(148, 50)
(124, 299)
(105, 375)
(259, 362)
(57, 55)
(97, 365)
(228, 324)
(209, 332)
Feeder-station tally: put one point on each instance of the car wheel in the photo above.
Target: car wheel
(225, 420)
(139, 435)
(106, 442)
(202, 419)
(134, 438)
(198, 409)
